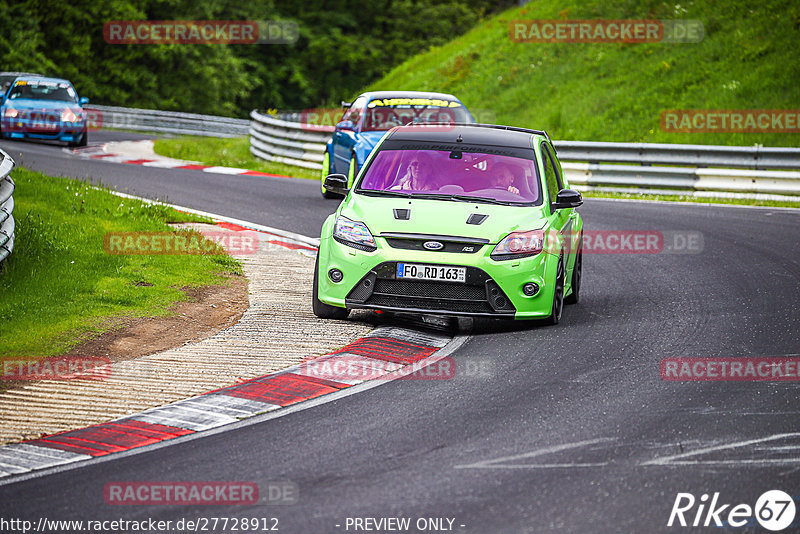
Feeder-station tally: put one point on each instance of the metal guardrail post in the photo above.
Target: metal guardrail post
(290, 142)
(7, 225)
(745, 157)
(285, 139)
(151, 120)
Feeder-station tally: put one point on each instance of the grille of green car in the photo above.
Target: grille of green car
(479, 295)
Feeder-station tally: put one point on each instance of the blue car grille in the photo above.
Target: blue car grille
(36, 121)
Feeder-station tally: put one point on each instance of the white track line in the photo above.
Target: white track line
(492, 464)
(678, 459)
(298, 238)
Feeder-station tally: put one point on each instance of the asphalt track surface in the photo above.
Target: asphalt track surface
(543, 429)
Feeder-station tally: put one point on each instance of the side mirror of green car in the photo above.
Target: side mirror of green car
(336, 183)
(567, 198)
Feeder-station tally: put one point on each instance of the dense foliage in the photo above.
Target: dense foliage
(342, 47)
(748, 60)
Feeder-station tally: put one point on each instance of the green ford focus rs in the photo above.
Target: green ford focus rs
(472, 220)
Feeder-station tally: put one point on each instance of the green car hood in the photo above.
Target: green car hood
(441, 217)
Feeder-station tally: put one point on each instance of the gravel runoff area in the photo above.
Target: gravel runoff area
(277, 331)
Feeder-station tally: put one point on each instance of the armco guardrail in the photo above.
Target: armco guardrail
(746, 157)
(738, 181)
(707, 168)
(755, 169)
(152, 120)
(6, 206)
(289, 142)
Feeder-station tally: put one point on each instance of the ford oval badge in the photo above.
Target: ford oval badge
(433, 245)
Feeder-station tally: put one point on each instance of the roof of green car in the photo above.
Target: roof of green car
(472, 134)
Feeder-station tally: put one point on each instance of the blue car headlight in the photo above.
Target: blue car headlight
(68, 115)
(353, 234)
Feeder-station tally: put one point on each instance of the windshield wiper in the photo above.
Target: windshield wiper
(437, 196)
(385, 193)
(434, 196)
(458, 198)
(487, 200)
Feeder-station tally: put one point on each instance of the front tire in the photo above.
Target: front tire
(326, 170)
(558, 294)
(322, 310)
(83, 141)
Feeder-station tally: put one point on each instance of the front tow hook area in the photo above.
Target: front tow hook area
(364, 289)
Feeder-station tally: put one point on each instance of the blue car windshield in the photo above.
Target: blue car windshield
(453, 175)
(41, 90)
(385, 114)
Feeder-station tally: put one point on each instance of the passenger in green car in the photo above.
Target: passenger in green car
(418, 176)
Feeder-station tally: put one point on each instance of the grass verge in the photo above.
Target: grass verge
(226, 152)
(60, 287)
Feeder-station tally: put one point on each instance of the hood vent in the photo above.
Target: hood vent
(476, 218)
(402, 214)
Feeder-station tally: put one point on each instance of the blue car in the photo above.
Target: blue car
(35, 107)
(371, 115)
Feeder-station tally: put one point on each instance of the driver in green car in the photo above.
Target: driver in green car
(503, 178)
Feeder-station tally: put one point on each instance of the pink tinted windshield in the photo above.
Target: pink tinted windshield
(504, 178)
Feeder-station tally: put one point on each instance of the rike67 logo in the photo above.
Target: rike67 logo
(774, 510)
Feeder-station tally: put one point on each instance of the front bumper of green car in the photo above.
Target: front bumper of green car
(368, 279)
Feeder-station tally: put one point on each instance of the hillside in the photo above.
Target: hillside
(748, 59)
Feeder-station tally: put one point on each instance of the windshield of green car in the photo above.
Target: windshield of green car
(42, 90)
(385, 114)
(453, 175)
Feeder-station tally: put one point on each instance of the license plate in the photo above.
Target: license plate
(439, 273)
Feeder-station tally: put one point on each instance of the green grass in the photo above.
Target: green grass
(226, 152)
(59, 287)
(616, 92)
